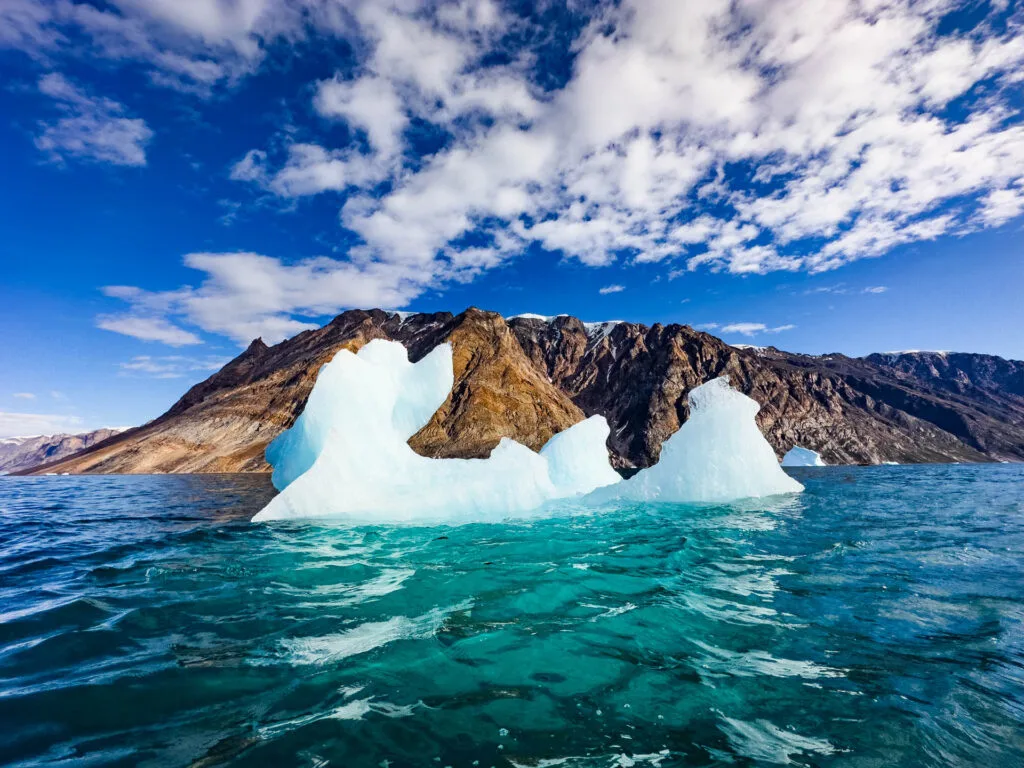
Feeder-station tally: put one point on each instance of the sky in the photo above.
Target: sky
(182, 176)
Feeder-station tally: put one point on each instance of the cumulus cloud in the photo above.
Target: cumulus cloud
(745, 136)
(612, 289)
(24, 26)
(838, 122)
(92, 128)
(188, 45)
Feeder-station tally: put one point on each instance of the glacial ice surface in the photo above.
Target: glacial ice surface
(719, 454)
(347, 455)
(798, 456)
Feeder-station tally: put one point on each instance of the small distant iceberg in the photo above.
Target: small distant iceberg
(798, 456)
(347, 455)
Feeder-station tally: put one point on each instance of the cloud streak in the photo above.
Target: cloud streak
(749, 329)
(148, 329)
(170, 366)
(92, 128)
(27, 424)
(249, 295)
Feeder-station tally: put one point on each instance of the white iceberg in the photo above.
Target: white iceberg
(348, 455)
(798, 456)
(718, 455)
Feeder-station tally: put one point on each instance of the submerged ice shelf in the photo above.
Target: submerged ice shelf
(347, 455)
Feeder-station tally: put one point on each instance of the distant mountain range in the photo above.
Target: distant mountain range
(20, 453)
(529, 377)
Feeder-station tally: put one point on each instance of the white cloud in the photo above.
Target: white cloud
(248, 295)
(370, 103)
(24, 25)
(171, 366)
(93, 128)
(752, 329)
(150, 328)
(188, 45)
(841, 289)
(1001, 205)
(851, 124)
(26, 424)
(612, 289)
(252, 167)
(745, 136)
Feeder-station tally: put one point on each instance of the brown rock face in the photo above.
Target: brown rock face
(224, 423)
(638, 377)
(529, 378)
(498, 393)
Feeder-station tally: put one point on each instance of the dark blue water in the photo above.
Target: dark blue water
(876, 620)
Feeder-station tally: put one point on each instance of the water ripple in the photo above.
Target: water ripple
(877, 619)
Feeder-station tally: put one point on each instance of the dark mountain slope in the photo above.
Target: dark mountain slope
(528, 377)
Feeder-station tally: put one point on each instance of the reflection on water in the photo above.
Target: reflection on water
(875, 620)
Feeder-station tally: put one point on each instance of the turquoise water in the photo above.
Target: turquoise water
(875, 620)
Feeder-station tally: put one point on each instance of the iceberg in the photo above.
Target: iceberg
(718, 455)
(347, 455)
(798, 456)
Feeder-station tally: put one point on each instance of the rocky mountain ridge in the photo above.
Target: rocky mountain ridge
(529, 377)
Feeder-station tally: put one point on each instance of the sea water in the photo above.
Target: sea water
(875, 620)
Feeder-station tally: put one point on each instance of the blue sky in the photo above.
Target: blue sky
(181, 176)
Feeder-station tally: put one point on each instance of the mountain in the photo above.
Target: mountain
(529, 377)
(21, 453)
(850, 410)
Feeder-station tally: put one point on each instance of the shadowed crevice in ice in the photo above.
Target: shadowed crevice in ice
(347, 456)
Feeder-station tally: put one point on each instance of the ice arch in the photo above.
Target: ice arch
(348, 455)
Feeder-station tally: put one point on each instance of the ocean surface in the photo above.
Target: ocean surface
(875, 620)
